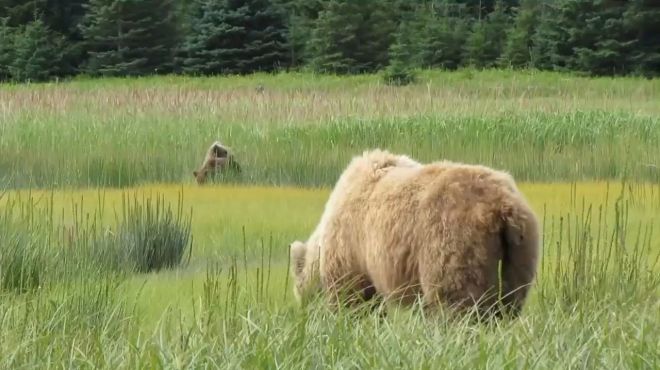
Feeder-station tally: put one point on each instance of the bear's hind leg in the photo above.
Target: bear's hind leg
(460, 288)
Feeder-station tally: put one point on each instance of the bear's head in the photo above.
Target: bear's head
(210, 165)
(305, 270)
(218, 158)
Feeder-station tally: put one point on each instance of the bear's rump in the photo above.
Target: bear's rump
(444, 260)
(414, 237)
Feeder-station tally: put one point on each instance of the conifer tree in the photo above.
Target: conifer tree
(517, 50)
(550, 46)
(130, 37)
(597, 37)
(6, 49)
(60, 17)
(301, 17)
(19, 13)
(496, 29)
(642, 21)
(399, 71)
(37, 54)
(375, 29)
(475, 46)
(266, 46)
(63, 17)
(334, 38)
(352, 37)
(485, 44)
(444, 34)
(236, 37)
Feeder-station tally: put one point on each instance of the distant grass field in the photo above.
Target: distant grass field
(90, 169)
(303, 128)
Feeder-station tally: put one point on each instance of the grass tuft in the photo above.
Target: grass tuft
(150, 236)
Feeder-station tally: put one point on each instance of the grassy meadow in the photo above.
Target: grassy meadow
(111, 257)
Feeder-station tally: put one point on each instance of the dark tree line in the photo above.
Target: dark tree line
(44, 39)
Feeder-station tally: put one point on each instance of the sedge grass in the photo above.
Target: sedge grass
(594, 304)
(303, 129)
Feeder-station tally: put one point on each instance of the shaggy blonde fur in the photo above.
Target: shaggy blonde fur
(403, 230)
(218, 157)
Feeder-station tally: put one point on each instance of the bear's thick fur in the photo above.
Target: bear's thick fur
(403, 230)
(218, 157)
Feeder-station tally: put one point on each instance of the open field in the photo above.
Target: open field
(302, 129)
(595, 303)
(82, 162)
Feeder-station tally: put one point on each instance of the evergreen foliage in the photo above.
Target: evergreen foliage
(235, 37)
(352, 37)
(642, 20)
(485, 44)
(63, 17)
(548, 39)
(45, 39)
(130, 37)
(302, 15)
(37, 53)
(6, 49)
(444, 33)
(517, 50)
(474, 52)
(334, 41)
(21, 12)
(60, 17)
(399, 71)
(604, 44)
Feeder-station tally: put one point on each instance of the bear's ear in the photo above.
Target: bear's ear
(297, 250)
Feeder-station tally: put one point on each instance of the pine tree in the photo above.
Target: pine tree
(236, 37)
(302, 15)
(130, 37)
(642, 20)
(61, 17)
(598, 37)
(19, 13)
(481, 8)
(334, 39)
(37, 54)
(6, 49)
(475, 45)
(443, 35)
(517, 50)
(496, 29)
(550, 47)
(485, 44)
(64, 17)
(266, 43)
(399, 71)
(299, 30)
(352, 37)
(374, 34)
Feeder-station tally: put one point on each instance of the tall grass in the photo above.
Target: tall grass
(149, 236)
(594, 305)
(25, 248)
(72, 289)
(302, 131)
(596, 253)
(37, 250)
(538, 147)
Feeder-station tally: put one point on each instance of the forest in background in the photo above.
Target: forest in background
(42, 40)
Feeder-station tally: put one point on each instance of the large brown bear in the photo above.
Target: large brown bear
(218, 158)
(402, 230)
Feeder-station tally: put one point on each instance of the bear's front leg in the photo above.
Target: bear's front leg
(347, 289)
